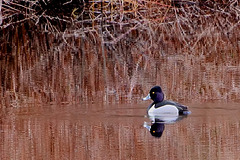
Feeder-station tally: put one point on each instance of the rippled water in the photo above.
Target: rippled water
(117, 132)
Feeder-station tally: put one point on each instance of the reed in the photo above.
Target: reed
(114, 51)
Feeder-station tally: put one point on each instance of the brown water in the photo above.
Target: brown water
(212, 131)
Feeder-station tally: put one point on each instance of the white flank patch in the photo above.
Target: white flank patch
(166, 110)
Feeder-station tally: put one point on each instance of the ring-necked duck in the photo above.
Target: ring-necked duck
(163, 107)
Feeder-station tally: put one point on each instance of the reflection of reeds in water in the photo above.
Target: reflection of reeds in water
(192, 51)
(58, 138)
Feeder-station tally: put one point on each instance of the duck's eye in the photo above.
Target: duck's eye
(154, 131)
(153, 92)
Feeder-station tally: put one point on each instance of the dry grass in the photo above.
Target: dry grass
(151, 22)
(117, 50)
(59, 16)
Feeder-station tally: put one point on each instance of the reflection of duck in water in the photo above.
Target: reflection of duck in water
(156, 129)
(161, 107)
(158, 124)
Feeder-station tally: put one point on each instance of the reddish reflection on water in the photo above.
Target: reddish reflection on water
(70, 132)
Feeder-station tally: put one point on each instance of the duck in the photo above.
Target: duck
(161, 107)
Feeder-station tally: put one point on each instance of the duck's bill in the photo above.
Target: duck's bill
(147, 97)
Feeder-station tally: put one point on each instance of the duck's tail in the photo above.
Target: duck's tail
(183, 110)
(186, 112)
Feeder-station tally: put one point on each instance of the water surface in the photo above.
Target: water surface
(71, 132)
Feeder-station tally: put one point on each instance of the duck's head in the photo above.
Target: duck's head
(155, 94)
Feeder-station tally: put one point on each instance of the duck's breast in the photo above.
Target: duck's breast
(166, 110)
